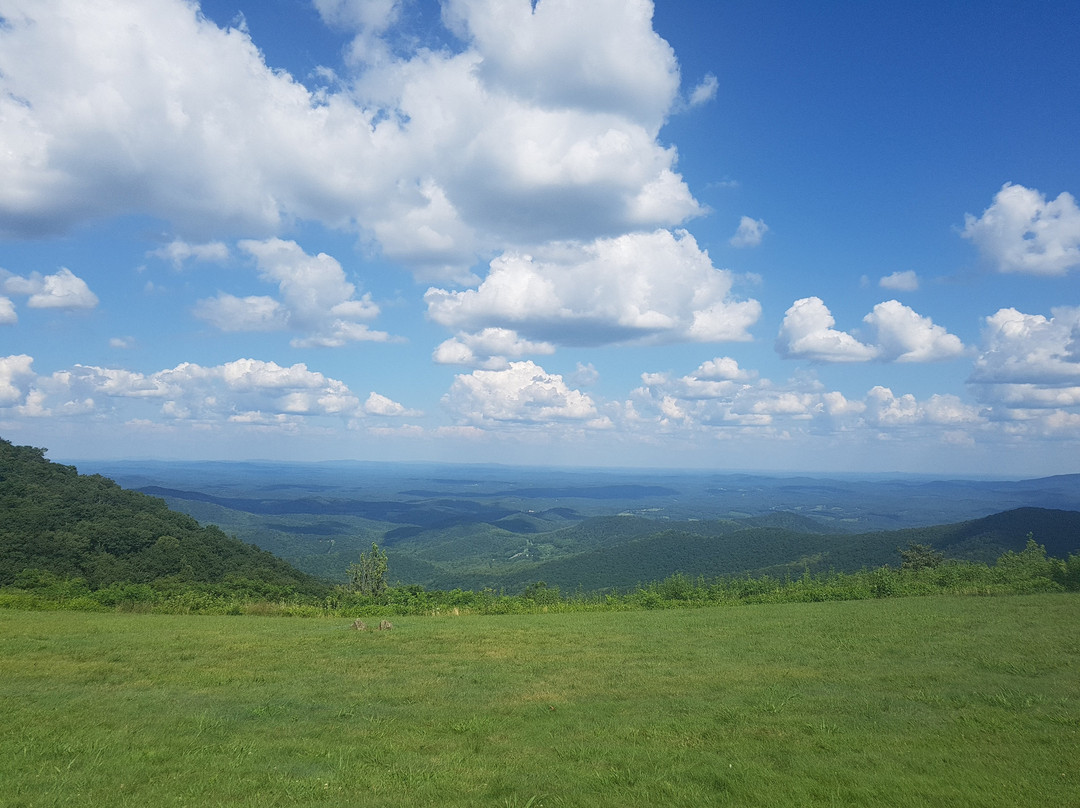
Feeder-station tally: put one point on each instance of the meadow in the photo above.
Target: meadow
(929, 701)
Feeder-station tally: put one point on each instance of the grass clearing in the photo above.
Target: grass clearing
(897, 702)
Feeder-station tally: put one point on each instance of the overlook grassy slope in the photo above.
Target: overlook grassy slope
(933, 702)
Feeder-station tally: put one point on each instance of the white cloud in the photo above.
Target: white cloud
(597, 55)
(1029, 369)
(719, 378)
(522, 393)
(693, 406)
(585, 375)
(368, 19)
(656, 287)
(1023, 232)
(16, 374)
(718, 394)
(551, 111)
(178, 251)
(61, 290)
(253, 313)
(7, 311)
(836, 405)
(488, 349)
(902, 335)
(380, 405)
(1034, 397)
(317, 300)
(750, 232)
(807, 333)
(906, 281)
(884, 408)
(705, 91)
(1030, 349)
(723, 368)
(237, 391)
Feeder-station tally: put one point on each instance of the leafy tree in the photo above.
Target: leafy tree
(368, 577)
(541, 593)
(920, 557)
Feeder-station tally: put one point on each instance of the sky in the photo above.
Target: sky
(746, 235)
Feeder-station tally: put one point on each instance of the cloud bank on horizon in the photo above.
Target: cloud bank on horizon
(503, 230)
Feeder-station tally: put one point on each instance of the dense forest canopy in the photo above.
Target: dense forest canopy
(55, 521)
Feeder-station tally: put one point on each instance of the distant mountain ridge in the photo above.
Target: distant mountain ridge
(741, 547)
(508, 528)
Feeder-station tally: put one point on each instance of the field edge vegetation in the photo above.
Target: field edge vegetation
(922, 573)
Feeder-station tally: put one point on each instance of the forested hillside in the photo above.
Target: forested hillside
(54, 521)
(779, 545)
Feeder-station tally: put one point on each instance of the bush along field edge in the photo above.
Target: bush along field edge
(922, 572)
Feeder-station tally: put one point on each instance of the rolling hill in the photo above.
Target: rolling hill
(497, 528)
(753, 547)
(54, 520)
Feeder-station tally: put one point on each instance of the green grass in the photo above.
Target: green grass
(939, 701)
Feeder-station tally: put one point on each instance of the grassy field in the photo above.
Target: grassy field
(901, 702)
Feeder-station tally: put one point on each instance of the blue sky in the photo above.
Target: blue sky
(732, 235)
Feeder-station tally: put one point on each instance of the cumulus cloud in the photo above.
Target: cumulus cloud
(7, 311)
(907, 281)
(367, 20)
(807, 333)
(382, 406)
(902, 335)
(723, 368)
(1023, 232)
(489, 349)
(750, 232)
(655, 287)
(905, 336)
(241, 391)
(522, 393)
(1029, 368)
(705, 91)
(696, 406)
(552, 111)
(177, 251)
(316, 299)
(1021, 348)
(252, 313)
(884, 408)
(719, 378)
(16, 373)
(717, 394)
(598, 55)
(61, 290)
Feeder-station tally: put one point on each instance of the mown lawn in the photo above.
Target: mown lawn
(940, 701)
